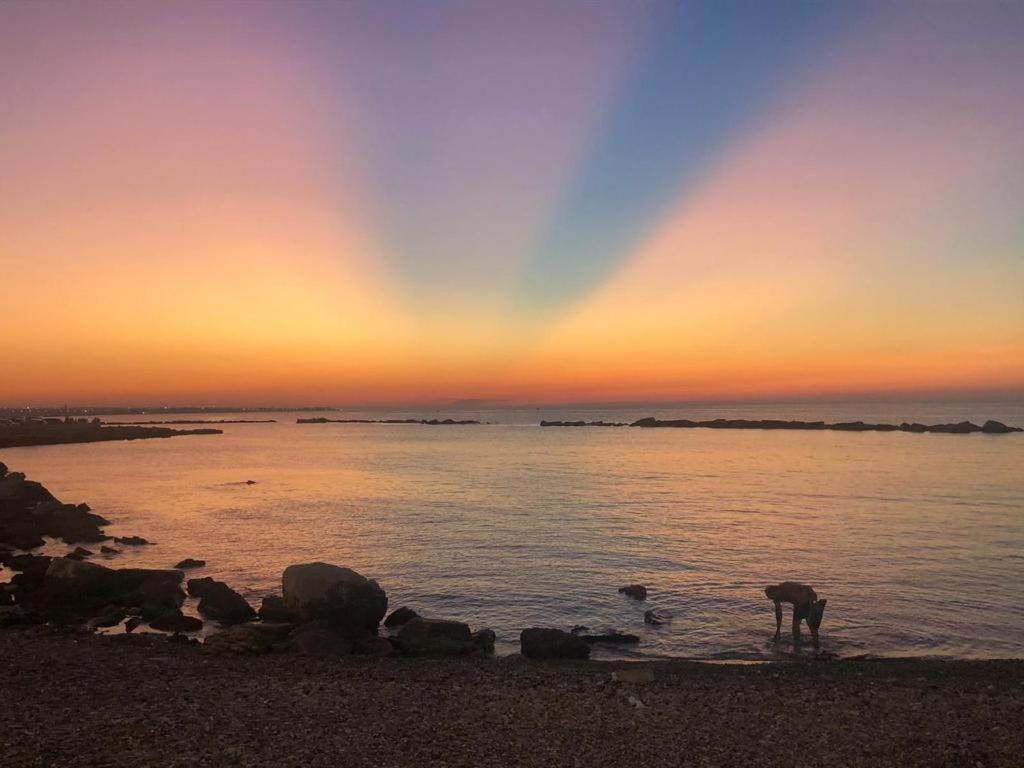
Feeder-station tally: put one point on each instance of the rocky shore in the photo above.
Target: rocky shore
(73, 699)
(18, 434)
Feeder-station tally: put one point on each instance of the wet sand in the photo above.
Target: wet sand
(85, 700)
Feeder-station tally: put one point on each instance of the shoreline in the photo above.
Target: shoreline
(138, 699)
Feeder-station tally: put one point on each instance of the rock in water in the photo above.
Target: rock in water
(436, 637)
(135, 541)
(219, 602)
(657, 617)
(997, 428)
(538, 643)
(636, 591)
(400, 616)
(188, 562)
(350, 601)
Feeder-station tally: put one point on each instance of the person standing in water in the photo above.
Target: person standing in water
(806, 606)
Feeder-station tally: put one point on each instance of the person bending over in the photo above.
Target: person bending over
(806, 606)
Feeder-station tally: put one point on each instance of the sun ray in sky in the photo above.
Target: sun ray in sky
(418, 202)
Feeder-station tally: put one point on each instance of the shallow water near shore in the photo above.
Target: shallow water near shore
(917, 541)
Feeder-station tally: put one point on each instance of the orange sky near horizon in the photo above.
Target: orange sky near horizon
(218, 210)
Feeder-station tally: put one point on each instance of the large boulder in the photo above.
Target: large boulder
(539, 643)
(70, 522)
(353, 603)
(70, 580)
(436, 637)
(219, 602)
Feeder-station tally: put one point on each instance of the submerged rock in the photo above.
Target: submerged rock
(351, 602)
(657, 617)
(219, 602)
(635, 591)
(540, 643)
(133, 541)
(79, 553)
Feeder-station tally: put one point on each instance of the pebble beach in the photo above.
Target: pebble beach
(77, 699)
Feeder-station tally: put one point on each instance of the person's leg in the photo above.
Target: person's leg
(778, 620)
(800, 613)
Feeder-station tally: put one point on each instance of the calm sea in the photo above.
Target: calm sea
(917, 541)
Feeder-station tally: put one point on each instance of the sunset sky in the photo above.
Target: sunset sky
(417, 202)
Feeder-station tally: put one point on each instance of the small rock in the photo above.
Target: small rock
(541, 643)
(400, 616)
(484, 640)
(636, 591)
(173, 620)
(135, 541)
(273, 608)
(219, 602)
(657, 617)
(439, 637)
(189, 562)
(109, 550)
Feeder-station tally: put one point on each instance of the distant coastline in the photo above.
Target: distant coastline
(199, 421)
(35, 432)
(990, 427)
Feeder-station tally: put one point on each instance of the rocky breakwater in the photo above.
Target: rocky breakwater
(960, 428)
(29, 432)
(428, 422)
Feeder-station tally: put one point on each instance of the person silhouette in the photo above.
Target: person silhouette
(806, 606)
